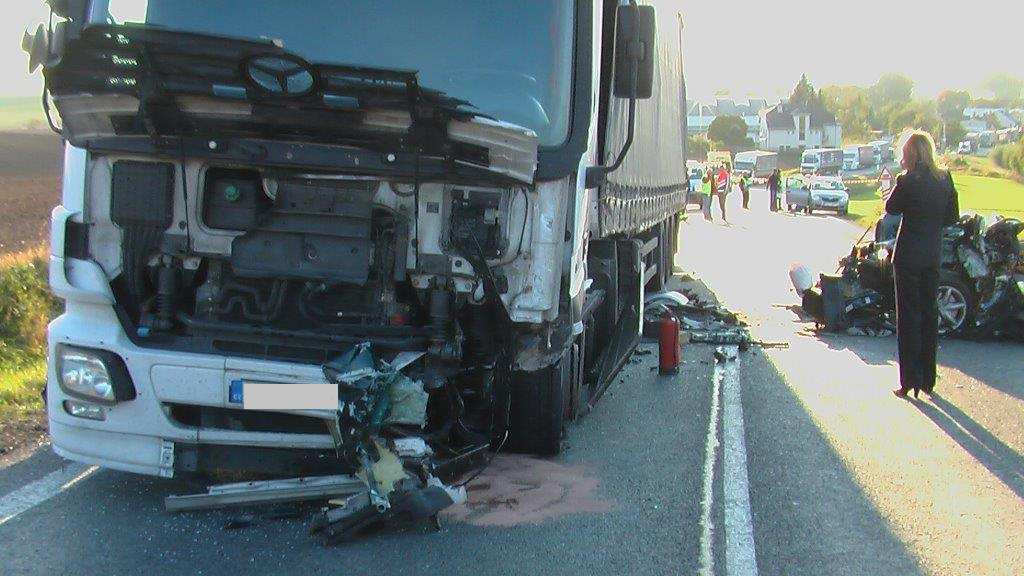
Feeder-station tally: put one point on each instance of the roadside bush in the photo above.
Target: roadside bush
(26, 306)
(1010, 157)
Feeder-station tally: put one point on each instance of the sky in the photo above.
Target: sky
(760, 48)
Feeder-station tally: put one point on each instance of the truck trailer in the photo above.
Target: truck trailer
(256, 196)
(756, 163)
(821, 161)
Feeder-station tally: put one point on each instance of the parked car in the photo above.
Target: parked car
(829, 193)
(817, 193)
(797, 191)
(695, 173)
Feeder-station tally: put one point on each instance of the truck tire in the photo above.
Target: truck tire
(539, 403)
(956, 305)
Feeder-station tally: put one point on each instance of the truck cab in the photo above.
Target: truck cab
(252, 191)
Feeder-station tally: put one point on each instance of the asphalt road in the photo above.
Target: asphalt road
(795, 461)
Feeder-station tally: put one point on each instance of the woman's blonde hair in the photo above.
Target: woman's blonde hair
(921, 147)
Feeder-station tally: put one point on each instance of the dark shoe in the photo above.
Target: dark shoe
(901, 393)
(915, 392)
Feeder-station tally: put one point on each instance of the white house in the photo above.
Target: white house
(700, 116)
(788, 126)
(981, 119)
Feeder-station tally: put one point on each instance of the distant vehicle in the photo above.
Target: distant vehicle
(810, 193)
(829, 193)
(858, 156)
(756, 163)
(883, 151)
(797, 191)
(823, 161)
(695, 172)
(717, 157)
(965, 147)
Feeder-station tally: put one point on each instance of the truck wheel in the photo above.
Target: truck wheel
(539, 403)
(956, 305)
(844, 211)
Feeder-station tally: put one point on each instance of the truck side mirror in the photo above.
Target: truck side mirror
(635, 45)
(635, 37)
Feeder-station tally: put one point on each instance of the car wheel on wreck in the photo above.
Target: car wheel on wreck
(956, 303)
(538, 409)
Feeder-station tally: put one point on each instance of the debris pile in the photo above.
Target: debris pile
(699, 320)
(394, 472)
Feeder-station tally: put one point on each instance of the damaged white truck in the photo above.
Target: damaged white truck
(478, 192)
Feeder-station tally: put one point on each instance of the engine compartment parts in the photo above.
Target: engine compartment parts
(313, 229)
(141, 194)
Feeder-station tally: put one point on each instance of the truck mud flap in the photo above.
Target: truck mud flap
(619, 268)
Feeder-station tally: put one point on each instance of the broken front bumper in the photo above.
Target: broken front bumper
(182, 414)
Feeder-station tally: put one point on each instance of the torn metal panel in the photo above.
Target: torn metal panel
(266, 492)
(512, 149)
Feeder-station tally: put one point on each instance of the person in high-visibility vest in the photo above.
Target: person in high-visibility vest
(707, 189)
(745, 190)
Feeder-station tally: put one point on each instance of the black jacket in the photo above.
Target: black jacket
(927, 204)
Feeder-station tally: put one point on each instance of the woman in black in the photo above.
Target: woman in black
(925, 197)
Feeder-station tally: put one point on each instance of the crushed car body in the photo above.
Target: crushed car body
(981, 282)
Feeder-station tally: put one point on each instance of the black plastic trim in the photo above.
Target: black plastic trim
(555, 163)
(76, 240)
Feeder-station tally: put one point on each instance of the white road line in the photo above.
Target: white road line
(740, 556)
(35, 493)
(707, 501)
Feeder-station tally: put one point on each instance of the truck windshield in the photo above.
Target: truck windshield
(511, 60)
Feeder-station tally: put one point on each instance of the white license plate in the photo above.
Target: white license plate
(274, 396)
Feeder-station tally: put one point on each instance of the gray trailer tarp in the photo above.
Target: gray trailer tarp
(652, 183)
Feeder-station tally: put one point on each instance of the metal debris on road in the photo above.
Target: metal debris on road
(700, 322)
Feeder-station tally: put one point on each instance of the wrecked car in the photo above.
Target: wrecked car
(981, 281)
(252, 191)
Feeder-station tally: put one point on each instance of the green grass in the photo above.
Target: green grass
(26, 306)
(981, 194)
(21, 113)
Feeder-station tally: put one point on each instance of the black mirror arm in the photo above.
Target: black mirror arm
(597, 175)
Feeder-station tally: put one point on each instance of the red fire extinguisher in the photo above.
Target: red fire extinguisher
(669, 350)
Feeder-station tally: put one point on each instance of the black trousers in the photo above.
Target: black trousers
(917, 326)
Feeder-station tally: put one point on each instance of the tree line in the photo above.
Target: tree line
(888, 106)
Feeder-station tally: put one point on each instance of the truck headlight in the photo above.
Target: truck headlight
(98, 375)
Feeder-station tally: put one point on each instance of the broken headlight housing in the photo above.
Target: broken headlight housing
(97, 375)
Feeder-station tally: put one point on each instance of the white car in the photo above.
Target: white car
(828, 193)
